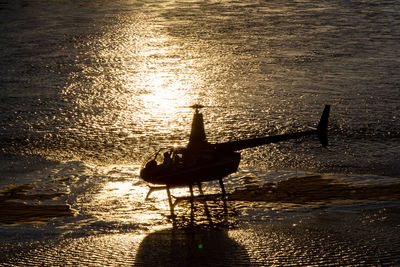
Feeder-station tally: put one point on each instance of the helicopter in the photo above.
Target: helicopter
(201, 161)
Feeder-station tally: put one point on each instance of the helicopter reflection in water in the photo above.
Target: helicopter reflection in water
(202, 161)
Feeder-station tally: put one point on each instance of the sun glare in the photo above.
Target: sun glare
(160, 82)
(118, 188)
(166, 93)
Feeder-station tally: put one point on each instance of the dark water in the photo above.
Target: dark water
(89, 88)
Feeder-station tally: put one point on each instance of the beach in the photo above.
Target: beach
(89, 90)
(329, 238)
(254, 227)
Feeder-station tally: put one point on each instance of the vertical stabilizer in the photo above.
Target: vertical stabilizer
(322, 128)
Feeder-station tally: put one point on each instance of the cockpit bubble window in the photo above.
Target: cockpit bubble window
(161, 155)
(166, 156)
(177, 156)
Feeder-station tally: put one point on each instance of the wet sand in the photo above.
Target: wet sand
(315, 188)
(13, 211)
(331, 239)
(363, 238)
(348, 225)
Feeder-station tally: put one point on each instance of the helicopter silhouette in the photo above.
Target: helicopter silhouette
(201, 161)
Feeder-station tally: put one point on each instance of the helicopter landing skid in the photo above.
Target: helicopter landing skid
(201, 197)
(157, 188)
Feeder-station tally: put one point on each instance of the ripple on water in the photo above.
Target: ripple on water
(328, 238)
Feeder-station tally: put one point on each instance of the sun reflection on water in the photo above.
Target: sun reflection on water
(118, 188)
(131, 83)
(166, 94)
(123, 201)
(120, 198)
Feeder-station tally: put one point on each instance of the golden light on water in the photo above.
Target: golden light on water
(161, 81)
(135, 80)
(118, 189)
(166, 94)
(122, 201)
(168, 82)
(140, 80)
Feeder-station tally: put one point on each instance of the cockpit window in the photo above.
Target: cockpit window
(176, 155)
(166, 157)
(163, 155)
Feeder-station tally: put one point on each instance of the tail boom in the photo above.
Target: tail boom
(321, 132)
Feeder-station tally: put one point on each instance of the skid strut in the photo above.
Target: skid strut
(201, 197)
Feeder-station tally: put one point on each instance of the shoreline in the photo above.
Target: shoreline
(20, 206)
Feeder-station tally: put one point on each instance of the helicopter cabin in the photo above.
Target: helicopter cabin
(164, 158)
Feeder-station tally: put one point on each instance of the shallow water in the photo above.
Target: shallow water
(329, 239)
(89, 89)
